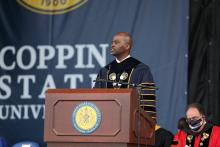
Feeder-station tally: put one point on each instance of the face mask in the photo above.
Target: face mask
(195, 125)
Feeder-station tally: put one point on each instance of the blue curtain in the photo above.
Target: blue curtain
(40, 50)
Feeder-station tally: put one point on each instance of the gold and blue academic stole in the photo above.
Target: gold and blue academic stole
(121, 72)
(124, 76)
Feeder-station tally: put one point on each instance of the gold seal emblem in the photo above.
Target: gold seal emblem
(51, 6)
(112, 76)
(86, 117)
(124, 76)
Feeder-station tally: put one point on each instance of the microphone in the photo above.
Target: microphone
(119, 83)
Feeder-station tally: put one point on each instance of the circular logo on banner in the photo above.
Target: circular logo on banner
(51, 6)
(86, 117)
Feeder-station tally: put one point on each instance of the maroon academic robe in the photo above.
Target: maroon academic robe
(213, 139)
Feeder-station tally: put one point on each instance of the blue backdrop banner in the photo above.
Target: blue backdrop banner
(63, 44)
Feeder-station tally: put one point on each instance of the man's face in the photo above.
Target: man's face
(119, 46)
(194, 115)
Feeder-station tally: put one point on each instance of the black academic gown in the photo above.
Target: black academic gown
(137, 73)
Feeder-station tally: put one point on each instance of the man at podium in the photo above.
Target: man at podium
(126, 70)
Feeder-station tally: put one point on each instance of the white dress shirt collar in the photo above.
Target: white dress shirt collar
(122, 59)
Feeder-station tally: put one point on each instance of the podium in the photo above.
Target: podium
(96, 118)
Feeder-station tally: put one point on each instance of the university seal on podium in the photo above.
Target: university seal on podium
(86, 117)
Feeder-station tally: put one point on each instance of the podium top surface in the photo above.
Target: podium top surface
(90, 90)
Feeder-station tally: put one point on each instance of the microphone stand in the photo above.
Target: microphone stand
(139, 87)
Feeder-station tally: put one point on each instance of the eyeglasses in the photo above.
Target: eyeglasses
(193, 118)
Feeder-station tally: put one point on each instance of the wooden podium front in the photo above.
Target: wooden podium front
(118, 125)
